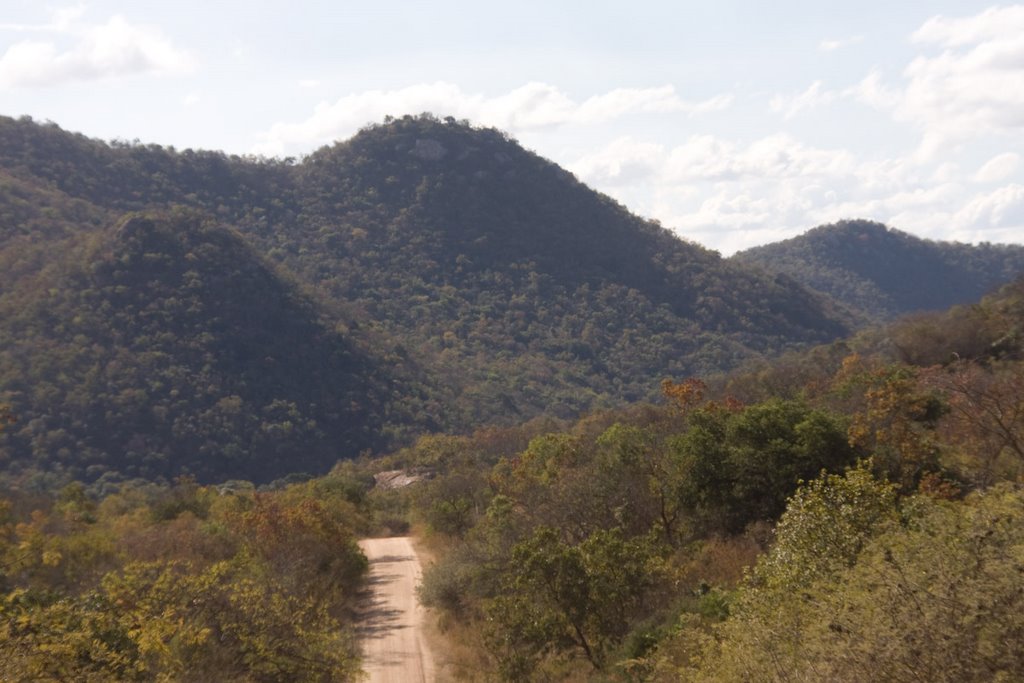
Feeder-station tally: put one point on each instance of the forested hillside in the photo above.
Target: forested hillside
(847, 511)
(169, 347)
(424, 275)
(882, 273)
(862, 523)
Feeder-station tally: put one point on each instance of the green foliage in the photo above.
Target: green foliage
(190, 583)
(307, 541)
(6, 417)
(47, 638)
(741, 465)
(985, 423)
(563, 597)
(815, 606)
(439, 277)
(204, 625)
(897, 421)
(825, 526)
(936, 597)
(172, 313)
(181, 351)
(449, 584)
(882, 273)
(623, 492)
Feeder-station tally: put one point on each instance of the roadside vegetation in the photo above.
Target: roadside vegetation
(615, 445)
(850, 513)
(181, 583)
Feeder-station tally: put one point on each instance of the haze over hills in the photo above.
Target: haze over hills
(254, 317)
(882, 273)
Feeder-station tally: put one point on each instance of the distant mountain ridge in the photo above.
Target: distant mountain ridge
(461, 280)
(882, 272)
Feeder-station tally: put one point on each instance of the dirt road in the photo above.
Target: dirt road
(391, 630)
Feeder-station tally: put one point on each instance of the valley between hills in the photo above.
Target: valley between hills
(625, 456)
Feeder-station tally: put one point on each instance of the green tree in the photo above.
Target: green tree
(47, 637)
(559, 597)
(222, 623)
(825, 527)
(930, 594)
(741, 465)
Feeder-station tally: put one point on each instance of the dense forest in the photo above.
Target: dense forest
(862, 523)
(630, 459)
(882, 273)
(172, 348)
(852, 513)
(423, 276)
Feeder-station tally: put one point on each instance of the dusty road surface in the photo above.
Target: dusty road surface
(391, 628)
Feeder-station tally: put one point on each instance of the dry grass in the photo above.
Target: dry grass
(722, 561)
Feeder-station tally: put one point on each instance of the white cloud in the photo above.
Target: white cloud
(814, 96)
(839, 43)
(946, 172)
(972, 87)
(192, 99)
(873, 92)
(969, 89)
(1001, 208)
(532, 106)
(115, 48)
(778, 156)
(904, 201)
(998, 168)
(731, 194)
(623, 162)
(62, 20)
(993, 23)
(726, 193)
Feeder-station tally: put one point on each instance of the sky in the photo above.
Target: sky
(734, 123)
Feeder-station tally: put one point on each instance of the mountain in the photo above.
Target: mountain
(473, 249)
(883, 273)
(423, 275)
(169, 347)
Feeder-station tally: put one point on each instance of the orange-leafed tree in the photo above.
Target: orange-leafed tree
(896, 420)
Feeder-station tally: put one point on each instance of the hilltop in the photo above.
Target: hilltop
(882, 273)
(167, 346)
(467, 281)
